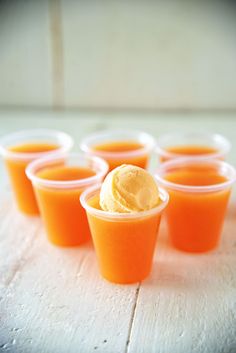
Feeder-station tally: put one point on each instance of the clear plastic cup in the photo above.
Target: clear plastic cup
(58, 186)
(120, 147)
(19, 149)
(192, 144)
(124, 242)
(199, 192)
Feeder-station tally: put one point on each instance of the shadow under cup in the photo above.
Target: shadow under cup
(58, 182)
(124, 242)
(19, 149)
(199, 192)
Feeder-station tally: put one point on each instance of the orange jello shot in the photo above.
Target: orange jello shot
(199, 192)
(125, 237)
(195, 144)
(19, 149)
(118, 147)
(58, 182)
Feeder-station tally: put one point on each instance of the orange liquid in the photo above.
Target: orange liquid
(64, 218)
(124, 249)
(33, 147)
(190, 150)
(195, 220)
(21, 185)
(123, 146)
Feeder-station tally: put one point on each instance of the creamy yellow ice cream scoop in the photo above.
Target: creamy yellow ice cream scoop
(128, 188)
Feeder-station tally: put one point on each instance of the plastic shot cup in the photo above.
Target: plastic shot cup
(199, 192)
(58, 182)
(124, 242)
(195, 144)
(19, 149)
(120, 147)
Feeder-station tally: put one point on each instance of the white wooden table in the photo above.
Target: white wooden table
(53, 299)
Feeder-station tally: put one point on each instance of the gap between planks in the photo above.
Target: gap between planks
(132, 317)
(55, 19)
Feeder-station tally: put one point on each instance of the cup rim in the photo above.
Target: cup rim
(91, 191)
(65, 145)
(223, 142)
(87, 142)
(43, 162)
(225, 167)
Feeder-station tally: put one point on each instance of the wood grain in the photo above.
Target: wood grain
(58, 300)
(189, 302)
(17, 234)
(54, 300)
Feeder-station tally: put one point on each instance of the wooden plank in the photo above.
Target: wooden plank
(149, 55)
(58, 302)
(189, 302)
(57, 299)
(26, 57)
(17, 234)
(53, 299)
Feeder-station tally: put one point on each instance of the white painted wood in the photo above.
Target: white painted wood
(149, 54)
(17, 234)
(25, 59)
(53, 299)
(57, 302)
(189, 302)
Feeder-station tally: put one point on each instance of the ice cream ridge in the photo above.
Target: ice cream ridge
(129, 189)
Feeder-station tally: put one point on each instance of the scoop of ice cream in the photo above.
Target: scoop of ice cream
(127, 189)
